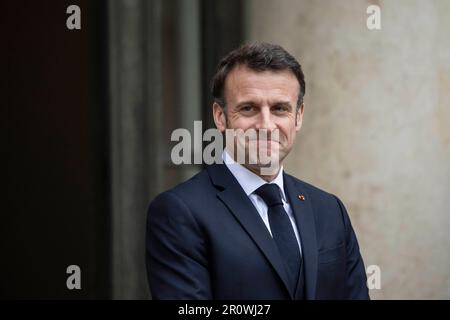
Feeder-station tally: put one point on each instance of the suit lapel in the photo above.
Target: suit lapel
(234, 197)
(304, 218)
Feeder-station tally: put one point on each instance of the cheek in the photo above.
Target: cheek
(287, 133)
(240, 123)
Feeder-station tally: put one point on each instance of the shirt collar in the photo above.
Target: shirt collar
(248, 180)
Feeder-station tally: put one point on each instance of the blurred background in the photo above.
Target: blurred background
(88, 114)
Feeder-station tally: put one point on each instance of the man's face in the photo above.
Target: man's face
(262, 101)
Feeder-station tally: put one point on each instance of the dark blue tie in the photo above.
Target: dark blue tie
(282, 231)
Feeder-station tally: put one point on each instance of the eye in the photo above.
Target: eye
(247, 109)
(280, 108)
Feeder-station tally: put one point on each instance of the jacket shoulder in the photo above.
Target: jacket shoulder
(197, 185)
(310, 189)
(321, 200)
(324, 204)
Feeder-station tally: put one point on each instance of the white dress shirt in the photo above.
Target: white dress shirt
(250, 182)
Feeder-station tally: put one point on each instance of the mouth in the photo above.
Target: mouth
(268, 142)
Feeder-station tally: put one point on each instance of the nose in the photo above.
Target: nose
(265, 120)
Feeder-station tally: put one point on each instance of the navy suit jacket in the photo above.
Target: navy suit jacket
(206, 240)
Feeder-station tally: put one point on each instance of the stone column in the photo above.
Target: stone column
(135, 122)
(155, 71)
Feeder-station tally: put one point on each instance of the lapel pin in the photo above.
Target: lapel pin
(301, 197)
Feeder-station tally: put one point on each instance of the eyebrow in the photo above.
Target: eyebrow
(249, 102)
(282, 103)
(252, 103)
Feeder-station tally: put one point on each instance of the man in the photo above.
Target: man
(232, 232)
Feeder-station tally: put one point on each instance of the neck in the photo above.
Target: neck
(257, 170)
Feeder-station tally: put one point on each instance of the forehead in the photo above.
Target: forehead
(245, 83)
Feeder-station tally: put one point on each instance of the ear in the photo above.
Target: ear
(219, 117)
(299, 117)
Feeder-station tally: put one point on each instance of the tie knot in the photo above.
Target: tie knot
(270, 193)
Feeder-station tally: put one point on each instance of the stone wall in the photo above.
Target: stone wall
(376, 129)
